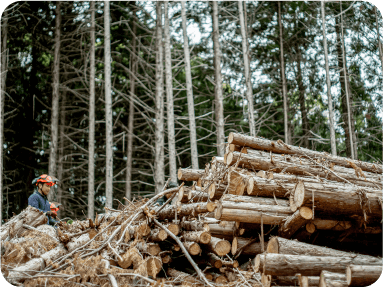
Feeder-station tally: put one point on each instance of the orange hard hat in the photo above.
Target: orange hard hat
(44, 178)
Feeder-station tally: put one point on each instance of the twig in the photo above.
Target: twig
(111, 277)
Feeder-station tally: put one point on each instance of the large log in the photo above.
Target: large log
(30, 216)
(256, 207)
(188, 174)
(195, 225)
(224, 228)
(256, 200)
(282, 148)
(250, 216)
(202, 237)
(302, 167)
(219, 246)
(332, 279)
(286, 246)
(186, 210)
(286, 264)
(327, 224)
(362, 275)
(295, 221)
(192, 247)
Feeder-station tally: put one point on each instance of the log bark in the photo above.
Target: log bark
(295, 221)
(219, 246)
(284, 264)
(192, 247)
(250, 216)
(307, 281)
(330, 279)
(224, 228)
(216, 191)
(256, 200)
(327, 224)
(189, 174)
(362, 275)
(286, 246)
(187, 194)
(186, 210)
(202, 237)
(282, 148)
(250, 249)
(22, 272)
(77, 242)
(214, 260)
(151, 248)
(195, 225)
(280, 210)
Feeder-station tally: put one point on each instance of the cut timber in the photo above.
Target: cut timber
(216, 190)
(158, 234)
(295, 221)
(192, 247)
(307, 281)
(236, 183)
(362, 275)
(188, 174)
(256, 200)
(173, 228)
(55, 253)
(224, 228)
(282, 148)
(197, 236)
(30, 216)
(219, 246)
(257, 207)
(182, 277)
(249, 249)
(250, 216)
(77, 242)
(214, 260)
(186, 194)
(233, 147)
(302, 167)
(294, 247)
(22, 272)
(149, 248)
(328, 224)
(153, 265)
(195, 225)
(285, 265)
(186, 210)
(330, 279)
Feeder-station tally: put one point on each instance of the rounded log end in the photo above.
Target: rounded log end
(234, 246)
(205, 237)
(194, 249)
(212, 190)
(218, 264)
(154, 249)
(266, 280)
(235, 264)
(179, 173)
(257, 263)
(162, 235)
(250, 185)
(230, 138)
(153, 266)
(299, 194)
(166, 259)
(306, 212)
(229, 158)
(210, 206)
(206, 227)
(181, 193)
(273, 245)
(218, 212)
(222, 248)
(174, 228)
(348, 275)
(221, 280)
(310, 227)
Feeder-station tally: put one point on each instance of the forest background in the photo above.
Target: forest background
(112, 106)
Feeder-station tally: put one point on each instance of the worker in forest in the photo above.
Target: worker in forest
(39, 198)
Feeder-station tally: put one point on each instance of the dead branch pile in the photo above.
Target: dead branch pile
(263, 215)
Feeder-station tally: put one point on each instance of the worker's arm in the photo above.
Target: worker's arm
(33, 201)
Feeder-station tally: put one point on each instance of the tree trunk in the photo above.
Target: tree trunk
(277, 147)
(132, 90)
(219, 119)
(188, 174)
(92, 112)
(246, 63)
(295, 221)
(249, 249)
(328, 82)
(223, 229)
(307, 281)
(159, 173)
(332, 279)
(256, 200)
(169, 99)
(60, 167)
(379, 44)
(362, 275)
(108, 110)
(251, 216)
(302, 103)
(219, 246)
(185, 210)
(285, 265)
(4, 32)
(52, 169)
(189, 92)
(195, 225)
(202, 237)
(283, 76)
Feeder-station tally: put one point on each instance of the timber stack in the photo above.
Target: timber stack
(265, 214)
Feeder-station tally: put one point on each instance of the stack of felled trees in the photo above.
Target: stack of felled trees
(276, 198)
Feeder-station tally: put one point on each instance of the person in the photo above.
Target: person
(39, 198)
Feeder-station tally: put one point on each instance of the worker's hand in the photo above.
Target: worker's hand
(51, 214)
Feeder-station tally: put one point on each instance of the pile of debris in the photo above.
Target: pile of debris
(250, 218)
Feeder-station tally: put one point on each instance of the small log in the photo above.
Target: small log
(214, 260)
(282, 148)
(192, 247)
(202, 237)
(166, 259)
(219, 279)
(362, 275)
(285, 264)
(219, 246)
(158, 234)
(195, 225)
(307, 281)
(330, 279)
(249, 249)
(186, 210)
(328, 224)
(188, 174)
(216, 191)
(295, 221)
(286, 246)
(182, 277)
(224, 228)
(256, 200)
(153, 265)
(257, 207)
(250, 216)
(77, 242)
(174, 228)
(151, 248)
(22, 272)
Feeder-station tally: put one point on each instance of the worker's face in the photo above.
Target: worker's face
(45, 189)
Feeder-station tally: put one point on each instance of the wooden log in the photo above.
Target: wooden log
(22, 272)
(153, 265)
(286, 246)
(307, 281)
(249, 249)
(216, 191)
(279, 280)
(233, 147)
(286, 264)
(282, 148)
(186, 210)
(256, 200)
(184, 277)
(250, 216)
(150, 248)
(195, 225)
(214, 260)
(30, 216)
(158, 234)
(295, 221)
(362, 275)
(219, 246)
(174, 228)
(257, 207)
(192, 247)
(202, 237)
(329, 279)
(278, 163)
(225, 228)
(219, 279)
(187, 194)
(77, 242)
(237, 183)
(188, 174)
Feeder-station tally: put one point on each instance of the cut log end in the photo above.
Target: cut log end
(222, 247)
(250, 185)
(229, 158)
(211, 206)
(273, 245)
(306, 212)
(205, 238)
(234, 246)
(310, 227)
(299, 194)
(174, 228)
(179, 174)
(193, 248)
(153, 266)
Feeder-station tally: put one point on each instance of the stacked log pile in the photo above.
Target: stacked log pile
(265, 214)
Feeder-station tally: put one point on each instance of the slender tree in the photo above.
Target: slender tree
(246, 62)
(52, 169)
(132, 90)
(219, 119)
(4, 32)
(60, 166)
(379, 44)
(330, 111)
(189, 92)
(169, 98)
(283, 76)
(108, 108)
(159, 173)
(92, 115)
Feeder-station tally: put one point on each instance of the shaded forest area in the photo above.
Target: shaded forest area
(109, 129)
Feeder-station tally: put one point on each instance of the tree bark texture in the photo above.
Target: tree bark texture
(188, 174)
(332, 279)
(189, 91)
(52, 169)
(169, 98)
(185, 210)
(295, 221)
(159, 172)
(108, 109)
(279, 147)
(362, 275)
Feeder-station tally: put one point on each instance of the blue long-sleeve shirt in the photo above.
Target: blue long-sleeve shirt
(41, 202)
